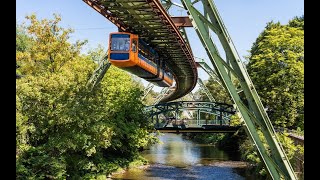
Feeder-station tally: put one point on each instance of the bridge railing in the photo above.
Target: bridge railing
(190, 123)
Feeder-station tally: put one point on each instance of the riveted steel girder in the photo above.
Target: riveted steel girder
(252, 112)
(181, 21)
(150, 21)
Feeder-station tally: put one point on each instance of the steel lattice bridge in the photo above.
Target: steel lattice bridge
(151, 22)
(219, 124)
(149, 19)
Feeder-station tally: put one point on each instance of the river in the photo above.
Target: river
(178, 158)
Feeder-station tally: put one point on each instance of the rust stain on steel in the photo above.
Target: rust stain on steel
(198, 65)
(181, 21)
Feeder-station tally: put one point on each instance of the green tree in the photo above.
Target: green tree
(23, 41)
(276, 66)
(63, 129)
(297, 22)
(250, 154)
(218, 92)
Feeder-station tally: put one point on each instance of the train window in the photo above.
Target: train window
(120, 42)
(134, 45)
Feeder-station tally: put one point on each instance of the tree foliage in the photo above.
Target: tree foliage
(218, 92)
(23, 41)
(250, 154)
(63, 130)
(276, 67)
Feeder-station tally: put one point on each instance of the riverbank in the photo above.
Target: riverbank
(140, 163)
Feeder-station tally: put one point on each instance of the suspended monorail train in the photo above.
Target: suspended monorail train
(128, 52)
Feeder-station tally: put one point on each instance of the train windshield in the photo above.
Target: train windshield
(120, 42)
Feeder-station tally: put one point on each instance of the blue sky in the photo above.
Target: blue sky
(244, 20)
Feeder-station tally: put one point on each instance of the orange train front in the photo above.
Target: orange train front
(128, 52)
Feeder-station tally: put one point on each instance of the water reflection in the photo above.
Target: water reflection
(178, 152)
(178, 158)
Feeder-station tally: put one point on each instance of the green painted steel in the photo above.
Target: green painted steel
(166, 4)
(203, 106)
(209, 71)
(222, 112)
(164, 91)
(205, 90)
(192, 96)
(222, 129)
(99, 73)
(147, 90)
(251, 112)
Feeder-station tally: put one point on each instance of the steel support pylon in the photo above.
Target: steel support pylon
(202, 64)
(99, 73)
(252, 111)
(205, 90)
(147, 90)
(162, 94)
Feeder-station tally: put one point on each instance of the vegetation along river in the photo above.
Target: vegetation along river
(180, 158)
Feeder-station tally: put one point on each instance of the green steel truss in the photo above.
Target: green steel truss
(147, 90)
(165, 91)
(202, 64)
(222, 111)
(150, 21)
(191, 95)
(252, 111)
(205, 90)
(99, 73)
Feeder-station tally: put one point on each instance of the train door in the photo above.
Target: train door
(134, 48)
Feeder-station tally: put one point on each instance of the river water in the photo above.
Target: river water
(178, 158)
